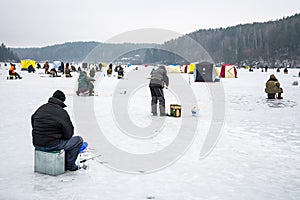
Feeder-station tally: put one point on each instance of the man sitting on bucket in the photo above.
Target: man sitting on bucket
(53, 130)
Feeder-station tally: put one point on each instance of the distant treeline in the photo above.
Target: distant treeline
(6, 55)
(268, 42)
(71, 51)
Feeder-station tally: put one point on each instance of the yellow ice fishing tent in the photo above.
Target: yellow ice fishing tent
(189, 68)
(192, 68)
(218, 69)
(26, 63)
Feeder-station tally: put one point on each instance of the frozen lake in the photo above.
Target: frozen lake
(257, 155)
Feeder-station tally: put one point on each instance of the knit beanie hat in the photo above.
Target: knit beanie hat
(59, 95)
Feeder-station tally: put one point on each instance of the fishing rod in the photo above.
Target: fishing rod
(92, 158)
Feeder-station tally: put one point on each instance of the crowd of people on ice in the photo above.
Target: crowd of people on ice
(86, 86)
(85, 81)
(52, 128)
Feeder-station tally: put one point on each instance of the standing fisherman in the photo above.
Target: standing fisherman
(159, 79)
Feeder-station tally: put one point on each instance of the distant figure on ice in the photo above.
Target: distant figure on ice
(73, 68)
(266, 68)
(92, 72)
(30, 69)
(117, 68)
(299, 74)
(120, 72)
(53, 130)
(46, 67)
(85, 84)
(38, 65)
(273, 87)
(100, 67)
(68, 71)
(109, 70)
(285, 70)
(12, 72)
(278, 69)
(159, 79)
(61, 68)
(53, 72)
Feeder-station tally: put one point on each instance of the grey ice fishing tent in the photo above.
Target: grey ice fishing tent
(205, 72)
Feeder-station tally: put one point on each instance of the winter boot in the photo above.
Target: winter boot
(279, 96)
(91, 92)
(154, 109)
(162, 110)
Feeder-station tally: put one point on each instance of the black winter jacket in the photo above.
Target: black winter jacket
(51, 123)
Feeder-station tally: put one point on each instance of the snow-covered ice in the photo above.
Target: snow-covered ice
(256, 157)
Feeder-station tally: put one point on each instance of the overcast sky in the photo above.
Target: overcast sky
(37, 23)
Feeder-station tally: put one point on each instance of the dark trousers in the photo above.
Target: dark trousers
(157, 94)
(271, 96)
(71, 147)
(16, 75)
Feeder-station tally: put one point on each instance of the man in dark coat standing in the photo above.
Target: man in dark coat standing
(159, 79)
(52, 130)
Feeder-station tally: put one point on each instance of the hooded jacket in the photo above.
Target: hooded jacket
(159, 77)
(84, 82)
(51, 123)
(272, 85)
